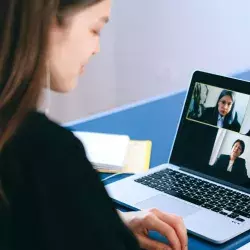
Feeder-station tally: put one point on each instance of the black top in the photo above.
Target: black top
(238, 175)
(56, 200)
(210, 116)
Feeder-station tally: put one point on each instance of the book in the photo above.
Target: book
(112, 153)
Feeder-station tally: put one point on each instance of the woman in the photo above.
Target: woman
(52, 197)
(231, 167)
(223, 114)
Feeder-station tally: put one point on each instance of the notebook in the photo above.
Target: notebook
(112, 153)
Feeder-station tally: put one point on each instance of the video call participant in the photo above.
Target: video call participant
(223, 114)
(231, 167)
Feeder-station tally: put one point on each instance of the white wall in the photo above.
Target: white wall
(246, 123)
(160, 43)
(217, 146)
(213, 96)
(152, 47)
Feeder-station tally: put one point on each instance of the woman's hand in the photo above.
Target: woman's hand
(168, 225)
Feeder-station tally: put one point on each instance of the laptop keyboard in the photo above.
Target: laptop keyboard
(205, 194)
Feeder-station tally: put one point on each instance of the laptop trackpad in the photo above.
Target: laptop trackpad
(168, 204)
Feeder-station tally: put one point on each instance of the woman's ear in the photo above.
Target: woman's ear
(55, 34)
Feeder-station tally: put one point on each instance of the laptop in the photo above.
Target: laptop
(207, 177)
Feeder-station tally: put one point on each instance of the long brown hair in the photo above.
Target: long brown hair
(24, 26)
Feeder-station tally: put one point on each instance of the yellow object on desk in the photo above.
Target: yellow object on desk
(137, 159)
(111, 153)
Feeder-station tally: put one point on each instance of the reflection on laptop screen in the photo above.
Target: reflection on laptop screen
(214, 134)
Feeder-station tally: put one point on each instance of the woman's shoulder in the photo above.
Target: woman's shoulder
(241, 160)
(38, 133)
(224, 156)
(236, 119)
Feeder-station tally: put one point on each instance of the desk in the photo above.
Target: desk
(157, 120)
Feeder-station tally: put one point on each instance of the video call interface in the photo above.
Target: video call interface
(214, 136)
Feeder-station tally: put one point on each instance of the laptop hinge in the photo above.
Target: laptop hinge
(174, 167)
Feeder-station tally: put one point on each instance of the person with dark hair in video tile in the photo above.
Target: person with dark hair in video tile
(223, 114)
(232, 167)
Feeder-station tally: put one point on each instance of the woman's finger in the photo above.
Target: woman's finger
(152, 222)
(177, 224)
(148, 244)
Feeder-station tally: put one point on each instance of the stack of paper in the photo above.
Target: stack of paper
(111, 153)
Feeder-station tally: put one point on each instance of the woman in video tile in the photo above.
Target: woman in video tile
(223, 114)
(231, 167)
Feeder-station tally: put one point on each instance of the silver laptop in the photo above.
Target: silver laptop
(206, 179)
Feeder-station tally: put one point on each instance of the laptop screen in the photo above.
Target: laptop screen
(213, 137)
